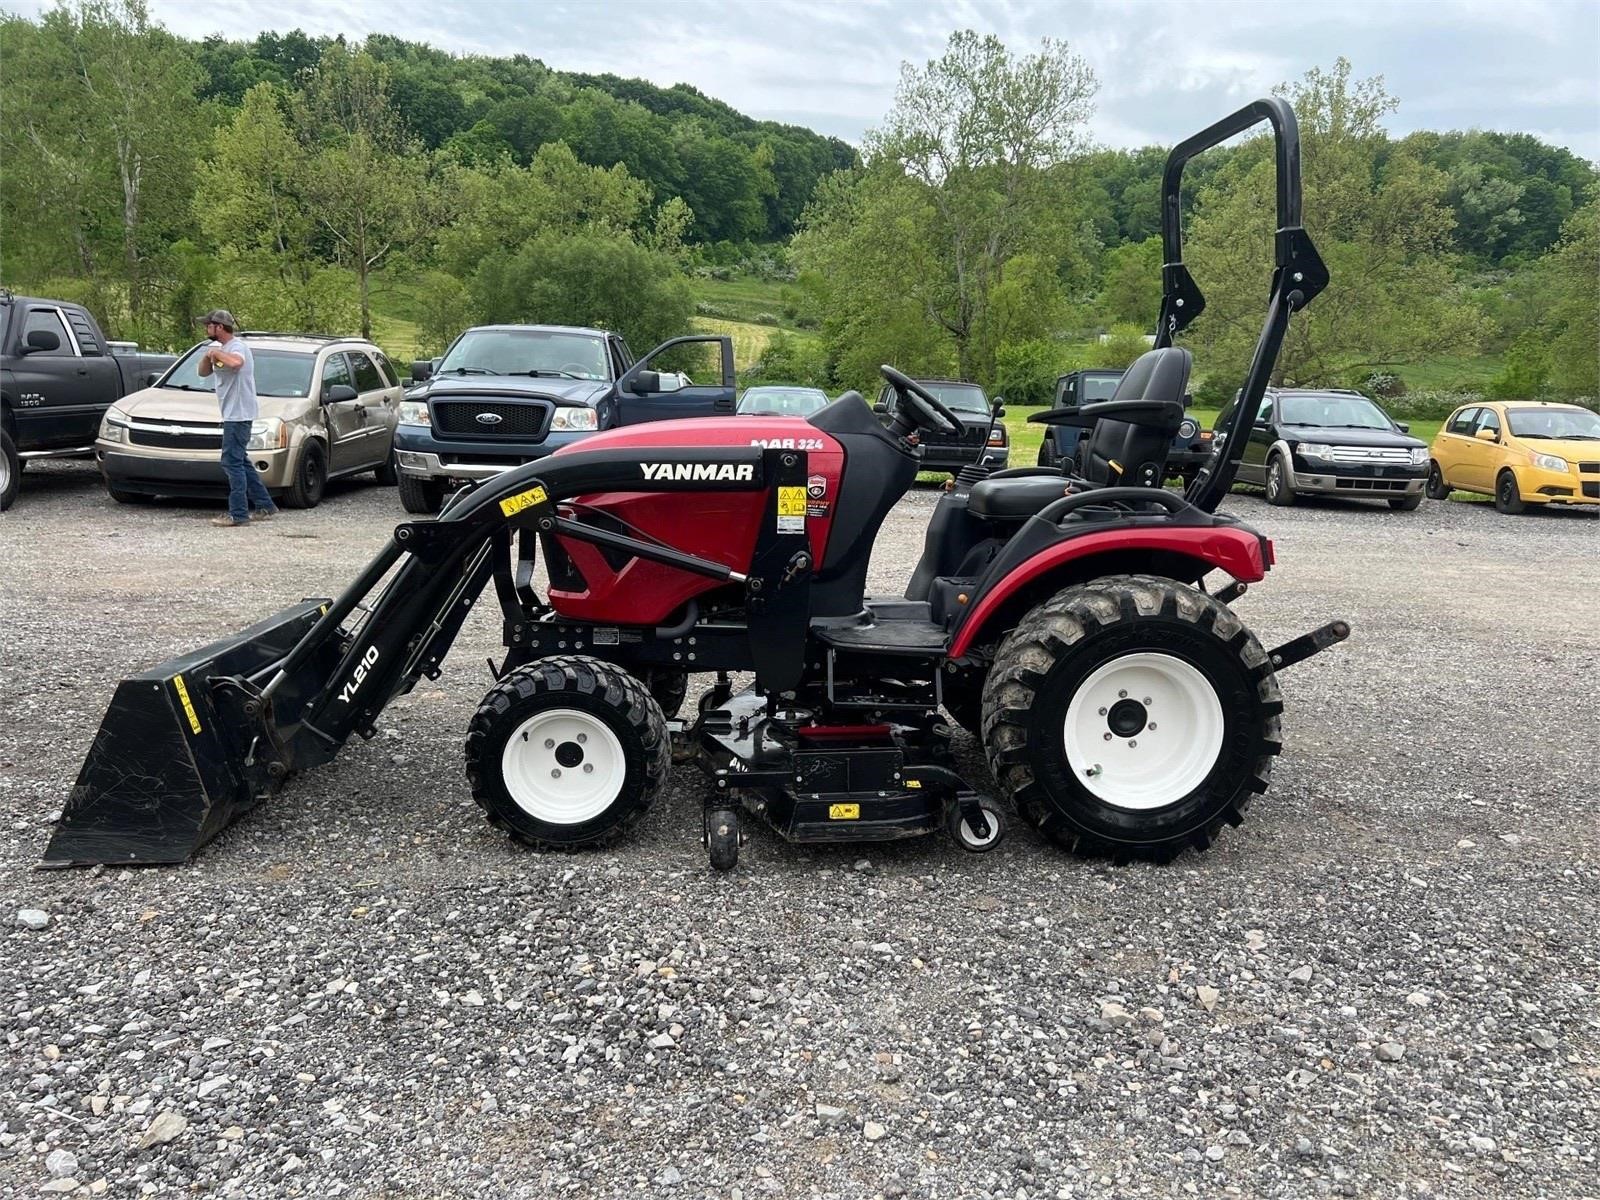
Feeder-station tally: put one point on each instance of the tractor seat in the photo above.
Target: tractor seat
(1015, 499)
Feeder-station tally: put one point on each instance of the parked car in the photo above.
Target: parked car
(1521, 452)
(328, 408)
(983, 439)
(1063, 444)
(58, 375)
(1329, 443)
(504, 395)
(772, 400)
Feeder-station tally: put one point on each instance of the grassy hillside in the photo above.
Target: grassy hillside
(743, 299)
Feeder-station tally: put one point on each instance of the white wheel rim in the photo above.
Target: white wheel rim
(544, 763)
(969, 838)
(1176, 745)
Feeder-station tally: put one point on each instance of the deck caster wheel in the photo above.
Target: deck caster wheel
(969, 839)
(722, 837)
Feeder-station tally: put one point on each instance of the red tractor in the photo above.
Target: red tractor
(1125, 709)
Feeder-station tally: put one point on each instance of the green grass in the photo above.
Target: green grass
(745, 298)
(749, 339)
(1449, 373)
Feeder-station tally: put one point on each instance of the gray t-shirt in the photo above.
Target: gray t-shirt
(236, 386)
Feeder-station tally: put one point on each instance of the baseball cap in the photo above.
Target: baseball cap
(219, 316)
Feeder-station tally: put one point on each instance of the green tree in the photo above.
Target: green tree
(1573, 274)
(1130, 288)
(1384, 231)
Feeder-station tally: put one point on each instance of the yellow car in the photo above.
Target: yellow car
(1521, 452)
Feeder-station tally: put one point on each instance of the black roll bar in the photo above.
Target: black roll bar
(1298, 276)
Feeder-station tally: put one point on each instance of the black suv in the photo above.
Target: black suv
(983, 439)
(1329, 443)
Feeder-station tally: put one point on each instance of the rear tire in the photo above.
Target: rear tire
(420, 495)
(310, 477)
(386, 473)
(1280, 483)
(537, 730)
(1406, 503)
(1078, 686)
(10, 470)
(1507, 496)
(1047, 455)
(1436, 487)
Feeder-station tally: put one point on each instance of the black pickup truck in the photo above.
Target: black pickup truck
(58, 375)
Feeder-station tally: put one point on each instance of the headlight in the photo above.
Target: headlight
(268, 434)
(414, 412)
(1314, 450)
(1419, 456)
(575, 419)
(1550, 462)
(997, 436)
(114, 426)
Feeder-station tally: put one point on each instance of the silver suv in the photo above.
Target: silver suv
(328, 408)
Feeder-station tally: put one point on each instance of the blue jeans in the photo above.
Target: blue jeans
(245, 490)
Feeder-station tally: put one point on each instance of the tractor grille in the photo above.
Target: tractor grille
(525, 420)
(175, 435)
(1370, 454)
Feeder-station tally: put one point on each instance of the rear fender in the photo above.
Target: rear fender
(1184, 554)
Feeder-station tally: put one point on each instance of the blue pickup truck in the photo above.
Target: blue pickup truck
(503, 395)
(58, 375)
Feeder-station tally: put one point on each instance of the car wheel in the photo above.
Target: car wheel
(310, 477)
(1132, 717)
(1507, 496)
(1280, 487)
(1406, 503)
(10, 470)
(386, 473)
(1436, 487)
(1047, 455)
(567, 752)
(420, 495)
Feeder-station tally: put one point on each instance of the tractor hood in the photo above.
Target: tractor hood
(579, 393)
(1330, 436)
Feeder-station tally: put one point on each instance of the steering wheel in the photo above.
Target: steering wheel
(926, 410)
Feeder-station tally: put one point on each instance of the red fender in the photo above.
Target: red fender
(1242, 553)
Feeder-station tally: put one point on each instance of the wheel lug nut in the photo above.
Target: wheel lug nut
(1108, 737)
(1132, 743)
(1122, 695)
(588, 768)
(549, 743)
(556, 773)
(583, 737)
(1102, 712)
(1147, 701)
(1152, 725)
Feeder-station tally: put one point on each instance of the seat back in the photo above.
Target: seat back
(1131, 450)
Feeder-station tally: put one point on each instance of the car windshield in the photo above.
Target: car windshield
(1093, 388)
(782, 401)
(527, 352)
(278, 372)
(1336, 412)
(1575, 424)
(960, 397)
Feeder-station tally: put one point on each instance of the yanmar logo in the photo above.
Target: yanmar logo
(700, 472)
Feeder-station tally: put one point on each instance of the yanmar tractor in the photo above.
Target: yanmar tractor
(1125, 709)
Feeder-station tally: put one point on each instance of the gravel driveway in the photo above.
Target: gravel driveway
(1384, 983)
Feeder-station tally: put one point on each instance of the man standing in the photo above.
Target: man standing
(235, 367)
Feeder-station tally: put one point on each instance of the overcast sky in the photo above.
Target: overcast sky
(1165, 67)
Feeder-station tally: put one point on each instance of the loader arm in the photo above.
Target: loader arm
(189, 745)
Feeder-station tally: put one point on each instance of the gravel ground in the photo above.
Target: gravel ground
(1385, 982)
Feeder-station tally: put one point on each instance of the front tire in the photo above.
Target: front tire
(310, 477)
(420, 495)
(1436, 487)
(386, 473)
(1280, 483)
(1132, 717)
(567, 752)
(10, 470)
(1507, 496)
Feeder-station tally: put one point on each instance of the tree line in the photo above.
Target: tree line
(978, 232)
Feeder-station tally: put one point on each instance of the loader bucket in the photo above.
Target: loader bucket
(172, 763)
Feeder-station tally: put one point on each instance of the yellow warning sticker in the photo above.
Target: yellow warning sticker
(791, 501)
(844, 812)
(913, 783)
(188, 705)
(512, 505)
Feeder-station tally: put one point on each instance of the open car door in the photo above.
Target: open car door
(683, 377)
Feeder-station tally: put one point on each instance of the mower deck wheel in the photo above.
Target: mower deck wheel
(567, 752)
(1132, 717)
(964, 836)
(722, 838)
